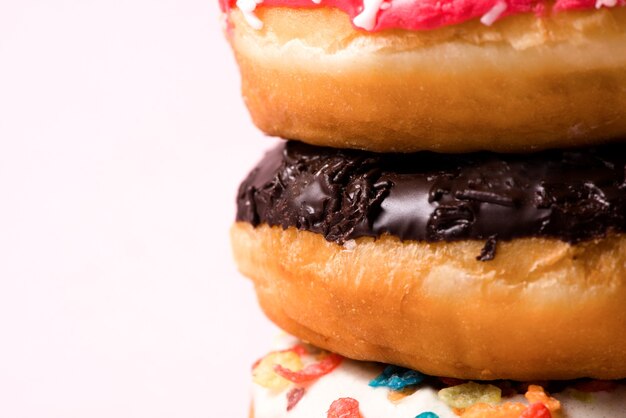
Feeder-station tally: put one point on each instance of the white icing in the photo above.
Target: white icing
(494, 13)
(367, 18)
(351, 379)
(605, 3)
(248, 7)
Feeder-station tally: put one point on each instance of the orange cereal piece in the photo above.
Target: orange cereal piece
(484, 410)
(397, 395)
(536, 394)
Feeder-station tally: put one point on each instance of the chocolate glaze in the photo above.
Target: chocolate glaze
(571, 195)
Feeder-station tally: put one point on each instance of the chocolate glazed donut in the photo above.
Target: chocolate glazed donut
(570, 195)
(378, 257)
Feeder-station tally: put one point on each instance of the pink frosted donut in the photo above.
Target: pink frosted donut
(449, 76)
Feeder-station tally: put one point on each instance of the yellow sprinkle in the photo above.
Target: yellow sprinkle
(264, 374)
(468, 394)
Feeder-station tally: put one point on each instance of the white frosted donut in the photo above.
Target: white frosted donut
(524, 83)
(351, 379)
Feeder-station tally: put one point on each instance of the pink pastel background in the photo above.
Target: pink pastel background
(122, 141)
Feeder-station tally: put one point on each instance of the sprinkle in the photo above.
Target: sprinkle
(344, 408)
(293, 397)
(264, 372)
(596, 386)
(367, 18)
(317, 1)
(505, 410)
(536, 410)
(350, 245)
(605, 3)
(488, 251)
(536, 394)
(427, 415)
(397, 378)
(468, 394)
(247, 7)
(495, 12)
(312, 371)
(397, 395)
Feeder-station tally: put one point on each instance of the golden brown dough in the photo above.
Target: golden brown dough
(542, 309)
(523, 84)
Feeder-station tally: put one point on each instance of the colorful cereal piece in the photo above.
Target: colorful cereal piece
(397, 395)
(344, 408)
(293, 397)
(310, 372)
(427, 415)
(397, 378)
(263, 373)
(468, 394)
(483, 410)
(536, 410)
(536, 394)
(299, 349)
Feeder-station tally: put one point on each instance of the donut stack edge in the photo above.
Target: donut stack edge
(441, 231)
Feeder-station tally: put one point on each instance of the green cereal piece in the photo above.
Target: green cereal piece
(468, 394)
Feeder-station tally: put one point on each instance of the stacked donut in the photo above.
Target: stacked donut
(454, 207)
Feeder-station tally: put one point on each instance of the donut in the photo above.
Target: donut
(378, 390)
(448, 76)
(479, 266)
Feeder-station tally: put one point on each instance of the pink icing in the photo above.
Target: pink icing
(432, 14)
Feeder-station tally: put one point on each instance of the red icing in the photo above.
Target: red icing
(432, 14)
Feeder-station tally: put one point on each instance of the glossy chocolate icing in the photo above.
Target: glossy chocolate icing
(571, 195)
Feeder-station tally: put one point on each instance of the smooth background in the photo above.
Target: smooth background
(122, 141)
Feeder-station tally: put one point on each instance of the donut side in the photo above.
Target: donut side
(542, 309)
(523, 84)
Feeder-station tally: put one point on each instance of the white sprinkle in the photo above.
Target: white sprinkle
(247, 7)
(317, 1)
(349, 245)
(605, 3)
(367, 18)
(385, 5)
(494, 13)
